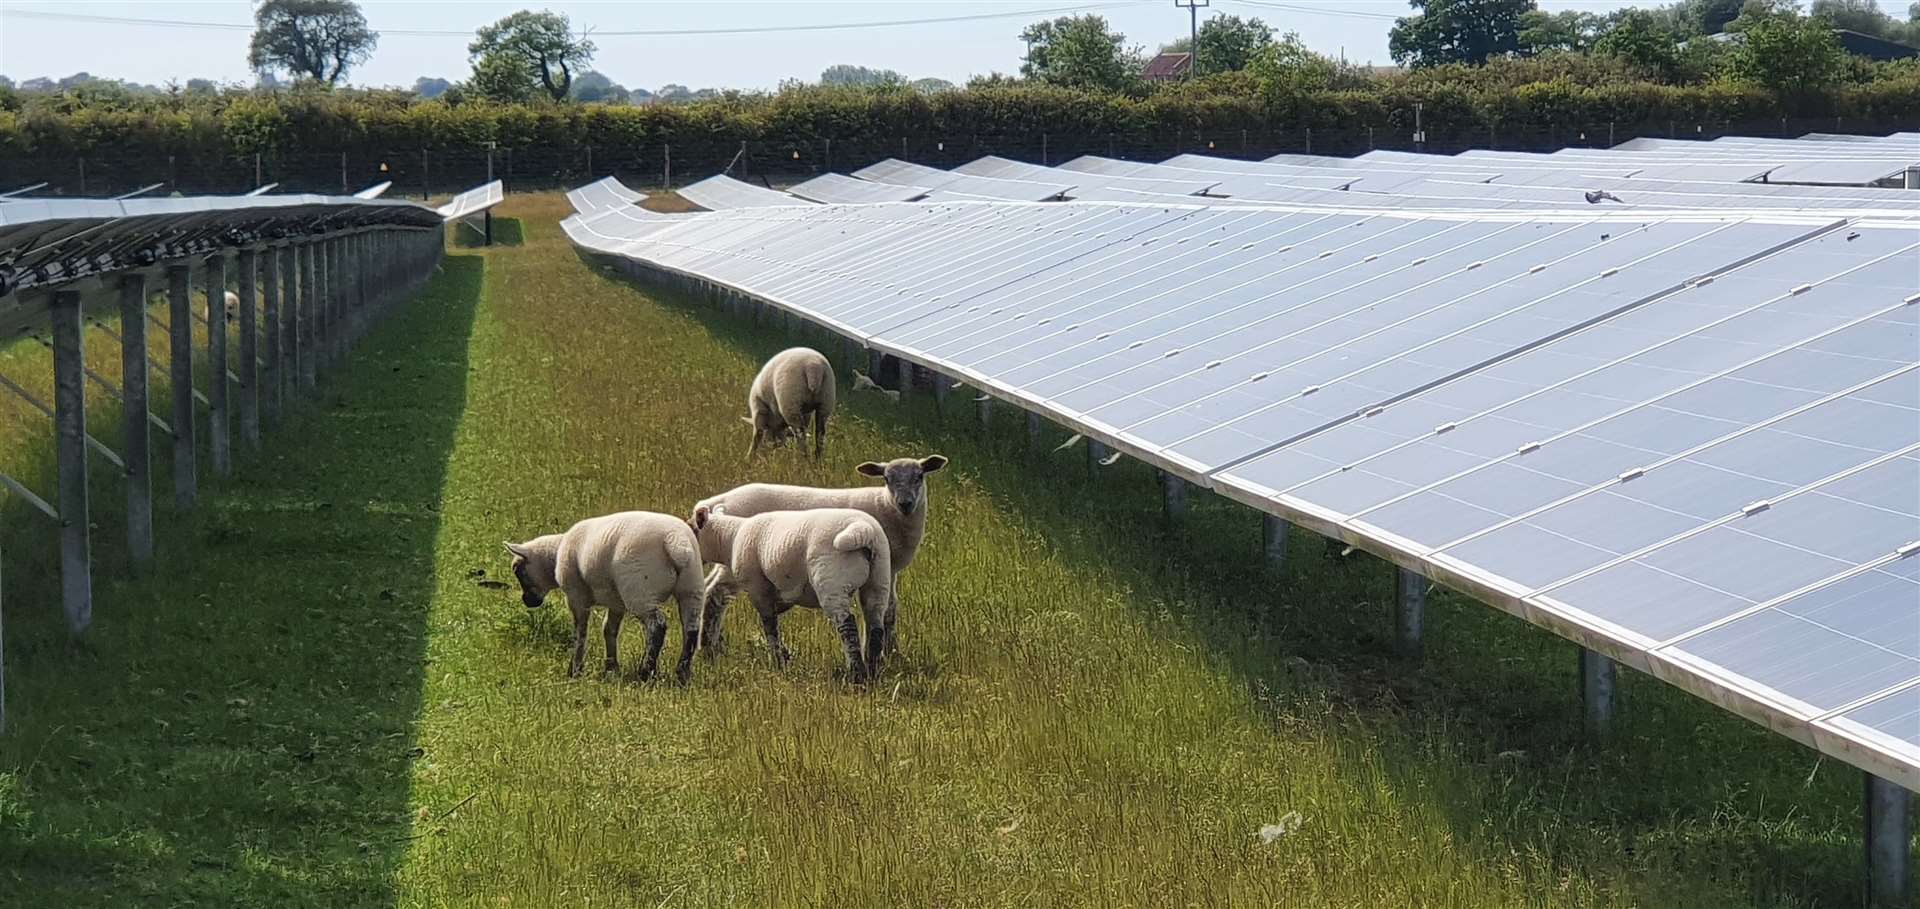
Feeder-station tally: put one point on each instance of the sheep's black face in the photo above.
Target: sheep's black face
(906, 479)
(531, 596)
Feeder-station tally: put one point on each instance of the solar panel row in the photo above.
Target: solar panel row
(1691, 442)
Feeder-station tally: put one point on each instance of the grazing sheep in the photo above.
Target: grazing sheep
(628, 562)
(900, 506)
(862, 382)
(797, 383)
(819, 559)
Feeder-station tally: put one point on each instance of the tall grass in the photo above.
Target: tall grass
(1091, 707)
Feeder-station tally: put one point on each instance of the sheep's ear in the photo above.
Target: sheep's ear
(748, 421)
(868, 468)
(515, 549)
(700, 516)
(931, 463)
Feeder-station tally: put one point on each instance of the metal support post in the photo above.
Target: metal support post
(309, 327)
(1175, 494)
(905, 376)
(214, 279)
(70, 423)
(275, 373)
(1273, 532)
(1409, 612)
(137, 449)
(1096, 452)
(186, 489)
(1597, 677)
(249, 385)
(1034, 439)
(1889, 819)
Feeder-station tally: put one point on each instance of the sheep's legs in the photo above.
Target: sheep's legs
(840, 616)
(770, 626)
(612, 633)
(753, 447)
(656, 638)
(720, 589)
(876, 607)
(893, 607)
(819, 433)
(691, 603)
(580, 615)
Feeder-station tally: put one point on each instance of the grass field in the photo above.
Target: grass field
(322, 696)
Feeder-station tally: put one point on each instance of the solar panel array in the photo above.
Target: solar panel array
(1687, 437)
(842, 188)
(721, 193)
(473, 202)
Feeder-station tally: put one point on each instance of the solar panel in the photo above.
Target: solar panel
(842, 188)
(601, 195)
(1689, 441)
(721, 192)
(991, 166)
(903, 173)
(473, 202)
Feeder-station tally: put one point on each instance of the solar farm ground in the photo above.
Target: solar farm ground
(323, 696)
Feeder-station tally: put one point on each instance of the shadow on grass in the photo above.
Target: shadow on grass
(506, 232)
(237, 727)
(1683, 805)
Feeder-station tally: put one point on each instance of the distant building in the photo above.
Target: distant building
(1167, 67)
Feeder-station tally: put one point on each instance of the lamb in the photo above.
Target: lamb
(900, 506)
(797, 383)
(862, 382)
(819, 559)
(629, 562)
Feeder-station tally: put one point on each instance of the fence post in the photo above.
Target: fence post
(666, 178)
(70, 421)
(426, 181)
(1043, 150)
(1309, 140)
(343, 174)
(173, 175)
(83, 176)
(180, 377)
(589, 160)
(256, 171)
(137, 449)
(215, 281)
(1369, 138)
(826, 153)
(1610, 126)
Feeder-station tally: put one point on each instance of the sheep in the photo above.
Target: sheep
(795, 384)
(629, 562)
(818, 558)
(900, 506)
(862, 382)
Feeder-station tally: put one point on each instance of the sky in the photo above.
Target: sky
(197, 46)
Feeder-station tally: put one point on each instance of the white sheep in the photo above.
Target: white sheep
(796, 384)
(863, 382)
(900, 506)
(628, 562)
(819, 559)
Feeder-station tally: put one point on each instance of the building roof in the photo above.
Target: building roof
(1873, 47)
(1167, 66)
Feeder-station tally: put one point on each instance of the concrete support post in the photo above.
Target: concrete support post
(137, 449)
(70, 425)
(1597, 678)
(337, 286)
(850, 350)
(1096, 452)
(323, 327)
(904, 376)
(985, 406)
(1273, 541)
(309, 326)
(1409, 613)
(875, 360)
(274, 377)
(1034, 437)
(214, 280)
(186, 489)
(1174, 492)
(249, 385)
(1889, 818)
(942, 386)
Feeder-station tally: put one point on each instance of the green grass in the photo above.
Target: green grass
(318, 697)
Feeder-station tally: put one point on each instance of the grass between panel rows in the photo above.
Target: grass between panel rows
(322, 696)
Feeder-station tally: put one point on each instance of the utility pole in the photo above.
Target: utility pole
(1193, 32)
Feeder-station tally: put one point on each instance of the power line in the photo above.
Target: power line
(6, 13)
(1318, 10)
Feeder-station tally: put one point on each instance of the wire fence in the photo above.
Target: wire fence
(428, 172)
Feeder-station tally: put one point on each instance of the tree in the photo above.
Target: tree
(1080, 51)
(1638, 39)
(542, 42)
(503, 78)
(1457, 31)
(1866, 17)
(640, 96)
(1571, 30)
(313, 39)
(673, 93)
(931, 85)
(1287, 66)
(847, 74)
(1230, 43)
(430, 87)
(1790, 55)
(594, 87)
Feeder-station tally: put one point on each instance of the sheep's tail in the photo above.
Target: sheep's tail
(684, 554)
(856, 536)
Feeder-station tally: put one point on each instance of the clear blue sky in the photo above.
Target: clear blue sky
(155, 54)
